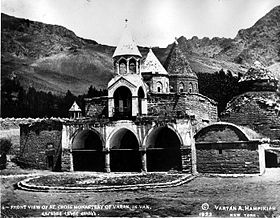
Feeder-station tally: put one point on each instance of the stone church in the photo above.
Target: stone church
(153, 119)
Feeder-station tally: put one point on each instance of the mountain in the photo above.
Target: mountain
(260, 42)
(52, 58)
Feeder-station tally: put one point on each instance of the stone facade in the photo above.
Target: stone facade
(259, 111)
(228, 159)
(40, 145)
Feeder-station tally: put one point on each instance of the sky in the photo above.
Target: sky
(152, 22)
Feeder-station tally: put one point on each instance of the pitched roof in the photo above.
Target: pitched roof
(177, 63)
(152, 64)
(258, 72)
(126, 45)
(75, 107)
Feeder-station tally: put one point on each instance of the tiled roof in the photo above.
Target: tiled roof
(126, 45)
(258, 72)
(177, 63)
(152, 64)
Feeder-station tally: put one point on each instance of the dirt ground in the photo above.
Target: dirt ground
(257, 196)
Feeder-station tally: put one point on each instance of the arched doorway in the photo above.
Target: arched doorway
(87, 152)
(163, 150)
(124, 153)
(123, 103)
(141, 96)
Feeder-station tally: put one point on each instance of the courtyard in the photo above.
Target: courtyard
(254, 196)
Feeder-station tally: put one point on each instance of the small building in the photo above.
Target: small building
(75, 111)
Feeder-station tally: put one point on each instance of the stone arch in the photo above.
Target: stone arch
(122, 102)
(191, 87)
(132, 65)
(124, 151)
(87, 151)
(163, 145)
(181, 87)
(122, 66)
(221, 131)
(159, 87)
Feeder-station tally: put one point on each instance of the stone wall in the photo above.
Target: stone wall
(201, 108)
(186, 160)
(40, 145)
(259, 111)
(96, 107)
(219, 158)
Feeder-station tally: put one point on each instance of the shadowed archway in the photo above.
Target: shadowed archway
(163, 150)
(124, 152)
(87, 152)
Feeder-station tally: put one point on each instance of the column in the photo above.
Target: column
(137, 70)
(107, 161)
(118, 68)
(127, 66)
(144, 160)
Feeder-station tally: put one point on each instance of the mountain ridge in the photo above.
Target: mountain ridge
(52, 58)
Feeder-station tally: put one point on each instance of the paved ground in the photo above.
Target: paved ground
(256, 196)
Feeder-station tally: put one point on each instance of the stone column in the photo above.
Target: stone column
(127, 66)
(137, 65)
(144, 160)
(107, 161)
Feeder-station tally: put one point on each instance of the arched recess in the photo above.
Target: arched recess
(141, 96)
(163, 149)
(159, 87)
(122, 67)
(124, 151)
(190, 87)
(221, 132)
(181, 87)
(87, 147)
(132, 66)
(122, 103)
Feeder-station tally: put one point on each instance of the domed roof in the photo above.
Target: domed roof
(152, 64)
(258, 72)
(126, 45)
(177, 63)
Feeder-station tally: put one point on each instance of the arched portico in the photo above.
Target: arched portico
(124, 151)
(163, 149)
(87, 147)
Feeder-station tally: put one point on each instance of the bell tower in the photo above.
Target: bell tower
(127, 56)
(127, 94)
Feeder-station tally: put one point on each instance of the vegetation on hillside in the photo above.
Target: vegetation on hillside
(16, 102)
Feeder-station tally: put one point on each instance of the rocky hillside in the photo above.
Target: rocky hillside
(259, 42)
(52, 58)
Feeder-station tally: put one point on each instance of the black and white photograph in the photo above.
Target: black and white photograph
(140, 108)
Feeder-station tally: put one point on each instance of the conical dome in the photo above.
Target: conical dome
(152, 65)
(258, 72)
(126, 45)
(177, 63)
(258, 78)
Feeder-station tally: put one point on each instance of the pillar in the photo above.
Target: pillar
(137, 66)
(144, 160)
(127, 66)
(107, 161)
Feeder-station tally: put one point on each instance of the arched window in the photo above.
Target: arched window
(181, 87)
(122, 66)
(132, 66)
(159, 87)
(190, 88)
